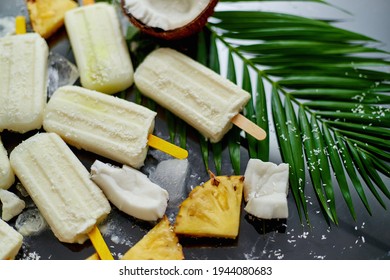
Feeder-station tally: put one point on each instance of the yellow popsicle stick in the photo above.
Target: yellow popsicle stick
(93, 257)
(167, 147)
(88, 2)
(99, 244)
(249, 127)
(20, 25)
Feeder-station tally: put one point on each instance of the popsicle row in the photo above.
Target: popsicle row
(193, 92)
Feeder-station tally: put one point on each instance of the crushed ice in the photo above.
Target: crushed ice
(61, 72)
(171, 175)
(30, 222)
(7, 26)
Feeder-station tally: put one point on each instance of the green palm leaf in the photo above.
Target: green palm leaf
(329, 101)
(330, 111)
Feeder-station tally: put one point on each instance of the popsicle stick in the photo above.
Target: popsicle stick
(93, 257)
(88, 2)
(249, 127)
(167, 147)
(20, 25)
(99, 244)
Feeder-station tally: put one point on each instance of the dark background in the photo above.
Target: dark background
(366, 238)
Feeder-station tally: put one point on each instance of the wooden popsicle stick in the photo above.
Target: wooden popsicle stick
(20, 25)
(167, 147)
(249, 127)
(99, 244)
(88, 2)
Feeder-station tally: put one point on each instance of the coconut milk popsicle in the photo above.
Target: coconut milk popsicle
(23, 80)
(105, 125)
(60, 186)
(193, 92)
(99, 47)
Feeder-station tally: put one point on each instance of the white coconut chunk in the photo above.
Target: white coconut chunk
(264, 178)
(130, 191)
(165, 14)
(12, 204)
(272, 206)
(266, 189)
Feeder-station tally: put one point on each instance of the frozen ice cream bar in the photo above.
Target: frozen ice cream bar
(23, 79)
(60, 186)
(196, 94)
(7, 177)
(10, 241)
(99, 47)
(106, 125)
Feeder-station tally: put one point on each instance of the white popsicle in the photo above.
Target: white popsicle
(7, 177)
(193, 92)
(10, 241)
(106, 125)
(23, 80)
(60, 186)
(99, 48)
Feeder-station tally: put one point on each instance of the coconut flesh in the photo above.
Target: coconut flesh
(169, 19)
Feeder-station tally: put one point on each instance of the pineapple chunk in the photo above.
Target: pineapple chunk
(212, 209)
(47, 16)
(160, 243)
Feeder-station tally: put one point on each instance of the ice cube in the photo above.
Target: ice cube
(7, 26)
(30, 222)
(171, 175)
(61, 72)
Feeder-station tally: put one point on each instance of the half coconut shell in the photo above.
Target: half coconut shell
(194, 26)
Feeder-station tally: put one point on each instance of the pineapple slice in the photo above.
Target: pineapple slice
(47, 16)
(160, 243)
(212, 209)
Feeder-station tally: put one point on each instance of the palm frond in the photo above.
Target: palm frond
(329, 102)
(330, 107)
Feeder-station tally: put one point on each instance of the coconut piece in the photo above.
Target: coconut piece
(130, 190)
(270, 206)
(169, 20)
(12, 205)
(266, 189)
